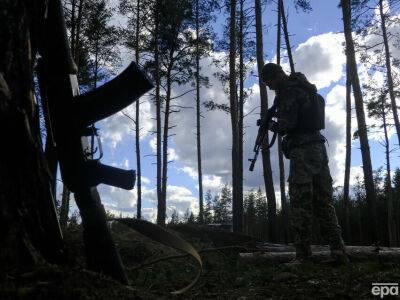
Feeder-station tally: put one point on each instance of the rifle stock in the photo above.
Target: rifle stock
(70, 114)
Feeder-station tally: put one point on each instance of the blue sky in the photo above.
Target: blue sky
(316, 40)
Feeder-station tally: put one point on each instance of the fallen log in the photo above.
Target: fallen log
(314, 248)
(355, 253)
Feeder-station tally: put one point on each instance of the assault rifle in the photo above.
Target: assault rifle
(72, 116)
(263, 124)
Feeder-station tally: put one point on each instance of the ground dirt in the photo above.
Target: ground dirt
(223, 276)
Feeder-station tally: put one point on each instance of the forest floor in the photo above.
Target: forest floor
(223, 277)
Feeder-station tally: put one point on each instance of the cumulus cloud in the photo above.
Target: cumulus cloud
(190, 171)
(120, 126)
(179, 198)
(321, 58)
(326, 53)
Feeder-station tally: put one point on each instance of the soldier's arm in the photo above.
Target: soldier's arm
(286, 113)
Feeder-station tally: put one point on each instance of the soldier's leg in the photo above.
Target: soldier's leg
(324, 210)
(301, 216)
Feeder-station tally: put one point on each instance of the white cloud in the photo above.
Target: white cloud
(212, 183)
(119, 127)
(190, 171)
(126, 163)
(150, 214)
(145, 180)
(153, 144)
(320, 58)
(119, 201)
(172, 154)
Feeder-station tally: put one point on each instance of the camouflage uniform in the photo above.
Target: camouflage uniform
(310, 182)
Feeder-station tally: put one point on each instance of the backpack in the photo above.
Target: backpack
(310, 119)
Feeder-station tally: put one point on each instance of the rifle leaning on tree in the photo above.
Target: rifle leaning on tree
(72, 116)
(263, 124)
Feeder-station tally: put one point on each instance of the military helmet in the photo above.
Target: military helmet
(270, 70)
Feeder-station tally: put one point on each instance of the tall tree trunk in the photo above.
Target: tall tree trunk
(346, 220)
(265, 152)
(286, 34)
(160, 216)
(167, 112)
(77, 39)
(388, 180)
(73, 26)
(198, 116)
(282, 20)
(237, 203)
(24, 185)
(137, 125)
(50, 147)
(362, 128)
(389, 71)
(240, 109)
(266, 155)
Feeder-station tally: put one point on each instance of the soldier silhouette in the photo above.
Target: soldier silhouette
(300, 117)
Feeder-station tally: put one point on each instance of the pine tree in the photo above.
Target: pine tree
(222, 206)
(261, 208)
(208, 218)
(379, 108)
(189, 217)
(362, 130)
(174, 217)
(396, 202)
(250, 220)
(267, 170)
(346, 185)
(101, 41)
(136, 39)
(203, 10)
(237, 202)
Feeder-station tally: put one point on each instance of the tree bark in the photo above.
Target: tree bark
(389, 71)
(286, 34)
(160, 217)
(50, 147)
(362, 128)
(25, 191)
(237, 203)
(198, 116)
(265, 152)
(240, 110)
(137, 124)
(73, 26)
(388, 180)
(77, 40)
(282, 183)
(346, 220)
(167, 112)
